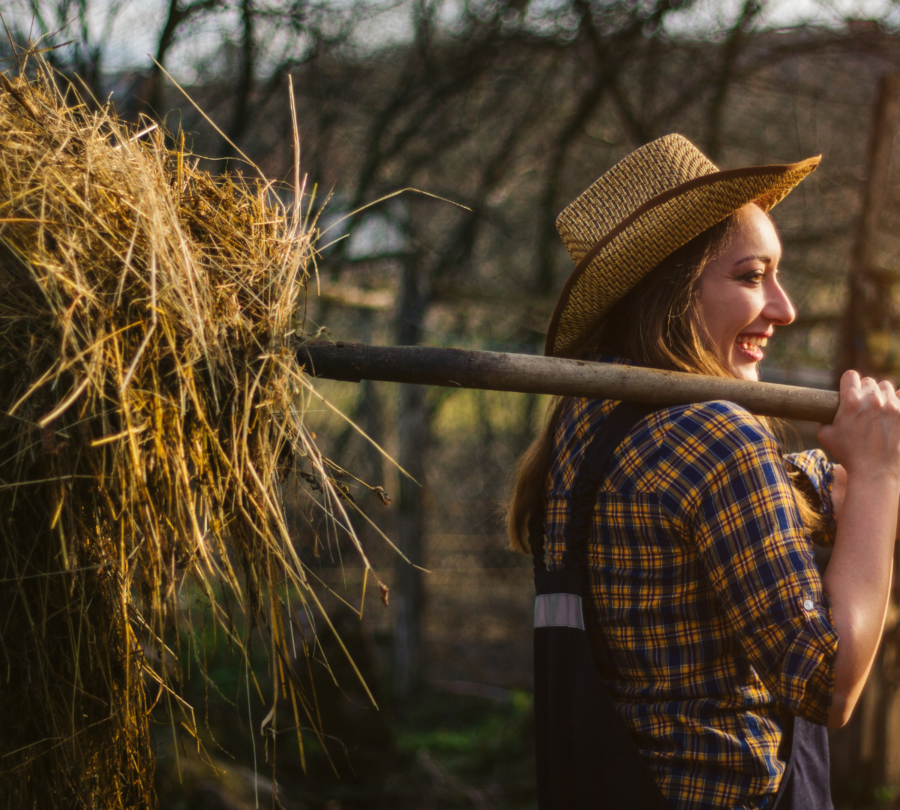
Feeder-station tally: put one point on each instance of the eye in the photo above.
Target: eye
(754, 277)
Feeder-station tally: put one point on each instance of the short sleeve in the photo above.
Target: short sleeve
(815, 476)
(737, 507)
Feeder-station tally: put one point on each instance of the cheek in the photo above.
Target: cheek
(727, 310)
(715, 309)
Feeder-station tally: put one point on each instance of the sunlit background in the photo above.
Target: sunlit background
(505, 110)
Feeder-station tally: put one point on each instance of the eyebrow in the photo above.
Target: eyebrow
(754, 257)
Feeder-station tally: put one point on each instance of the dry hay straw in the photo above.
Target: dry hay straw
(148, 415)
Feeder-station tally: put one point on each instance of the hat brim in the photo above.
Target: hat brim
(662, 225)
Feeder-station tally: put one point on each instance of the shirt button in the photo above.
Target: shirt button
(808, 604)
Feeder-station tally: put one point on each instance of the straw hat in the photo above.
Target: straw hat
(649, 204)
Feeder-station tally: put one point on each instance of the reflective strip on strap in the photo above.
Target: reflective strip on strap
(558, 610)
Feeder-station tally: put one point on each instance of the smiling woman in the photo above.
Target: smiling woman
(717, 647)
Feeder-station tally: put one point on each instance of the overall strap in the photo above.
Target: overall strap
(590, 476)
(585, 756)
(584, 491)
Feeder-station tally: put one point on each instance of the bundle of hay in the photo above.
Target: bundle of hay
(148, 416)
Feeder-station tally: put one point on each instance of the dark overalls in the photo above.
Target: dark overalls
(586, 758)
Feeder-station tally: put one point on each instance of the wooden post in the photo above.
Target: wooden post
(413, 438)
(866, 330)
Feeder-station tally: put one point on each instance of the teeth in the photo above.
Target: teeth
(753, 341)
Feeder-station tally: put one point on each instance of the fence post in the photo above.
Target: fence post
(413, 437)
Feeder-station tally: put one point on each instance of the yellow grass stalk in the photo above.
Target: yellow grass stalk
(148, 418)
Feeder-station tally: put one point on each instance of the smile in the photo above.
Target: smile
(751, 346)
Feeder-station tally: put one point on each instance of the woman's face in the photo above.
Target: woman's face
(741, 299)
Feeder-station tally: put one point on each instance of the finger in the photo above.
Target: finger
(849, 382)
(876, 392)
(868, 391)
(890, 396)
(852, 392)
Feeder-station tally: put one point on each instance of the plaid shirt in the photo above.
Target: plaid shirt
(706, 606)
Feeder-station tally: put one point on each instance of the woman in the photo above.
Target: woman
(710, 623)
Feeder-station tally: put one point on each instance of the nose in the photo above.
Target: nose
(778, 307)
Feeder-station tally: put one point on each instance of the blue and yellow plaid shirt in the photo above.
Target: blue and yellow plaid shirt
(706, 606)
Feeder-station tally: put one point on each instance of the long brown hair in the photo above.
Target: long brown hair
(658, 324)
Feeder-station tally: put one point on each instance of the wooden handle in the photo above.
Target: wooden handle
(530, 374)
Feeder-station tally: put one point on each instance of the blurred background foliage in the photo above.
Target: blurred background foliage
(507, 109)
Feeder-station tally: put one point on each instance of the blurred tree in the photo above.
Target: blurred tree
(178, 15)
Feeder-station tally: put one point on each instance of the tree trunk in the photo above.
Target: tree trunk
(244, 90)
(865, 338)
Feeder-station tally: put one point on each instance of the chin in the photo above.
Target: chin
(748, 372)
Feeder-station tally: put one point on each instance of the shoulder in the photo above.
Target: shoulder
(717, 429)
(710, 445)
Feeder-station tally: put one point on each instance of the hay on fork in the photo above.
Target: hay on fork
(148, 415)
